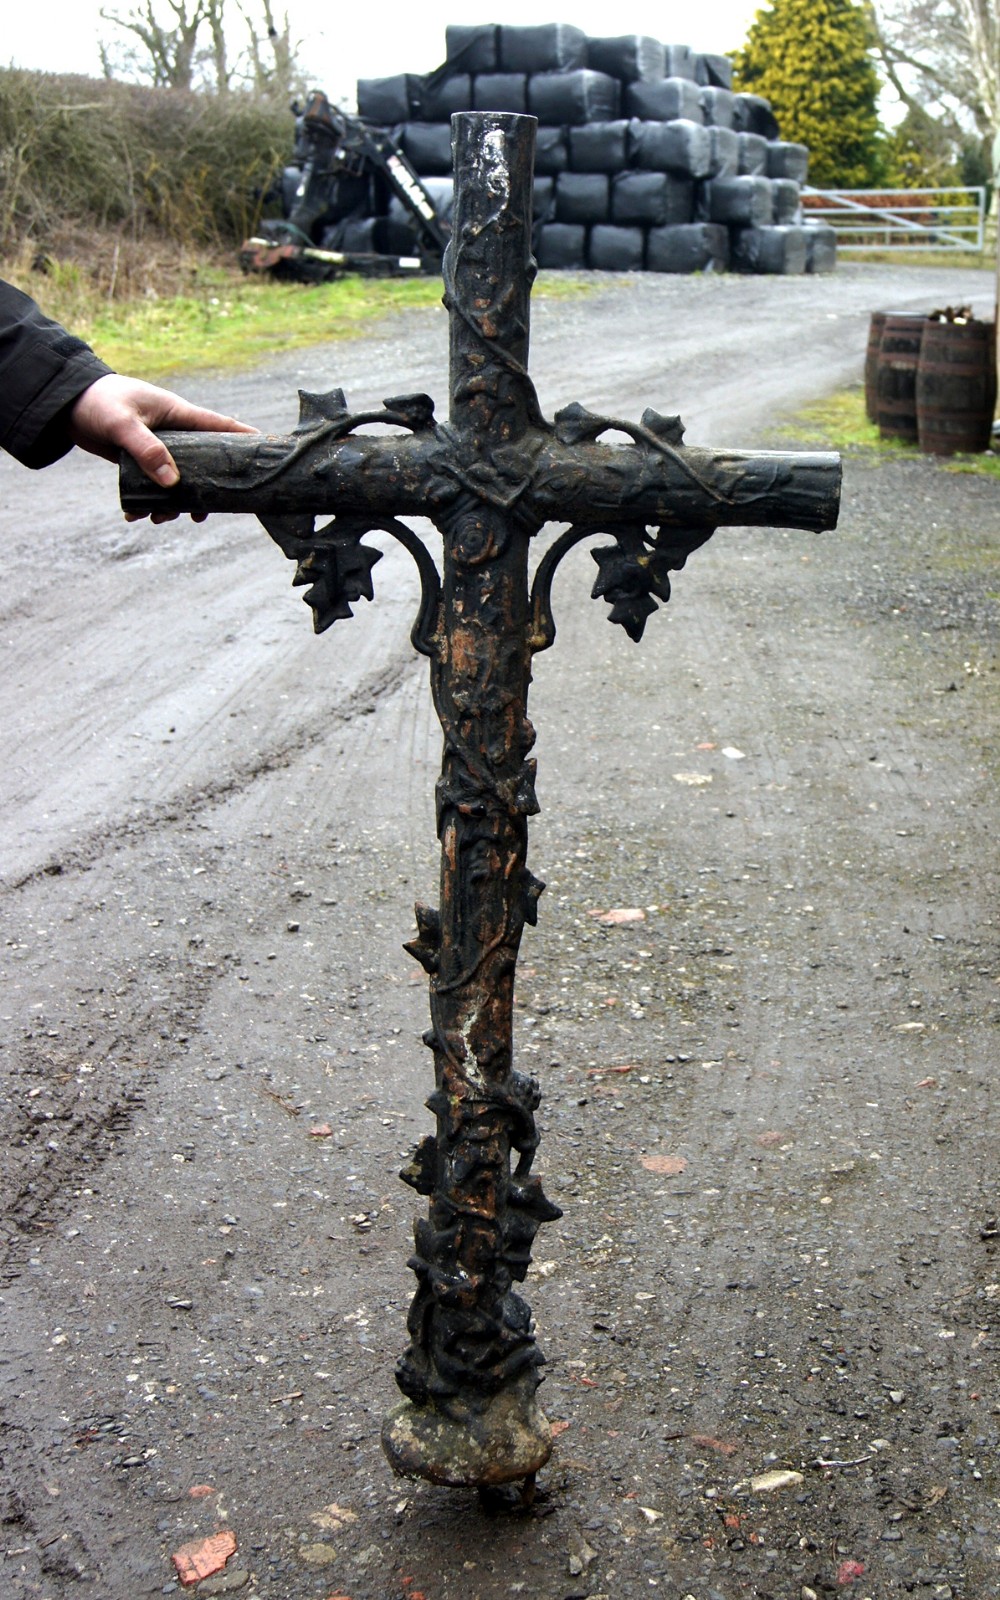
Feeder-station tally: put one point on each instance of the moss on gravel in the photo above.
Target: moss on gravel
(839, 422)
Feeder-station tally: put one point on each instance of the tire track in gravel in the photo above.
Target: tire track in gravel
(68, 1116)
(72, 1111)
(185, 806)
(40, 1549)
(99, 743)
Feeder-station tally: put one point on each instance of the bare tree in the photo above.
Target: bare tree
(943, 57)
(274, 68)
(222, 71)
(164, 55)
(165, 46)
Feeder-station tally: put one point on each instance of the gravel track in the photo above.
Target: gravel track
(768, 1108)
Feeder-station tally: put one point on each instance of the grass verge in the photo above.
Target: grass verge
(238, 323)
(976, 260)
(839, 422)
(225, 321)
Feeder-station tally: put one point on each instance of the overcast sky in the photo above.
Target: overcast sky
(341, 42)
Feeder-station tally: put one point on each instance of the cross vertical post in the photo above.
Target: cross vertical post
(489, 479)
(471, 1369)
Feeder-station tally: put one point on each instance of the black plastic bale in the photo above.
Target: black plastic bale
(543, 199)
(956, 386)
(786, 198)
(821, 247)
(787, 160)
(740, 201)
(441, 100)
(785, 249)
(681, 61)
(428, 146)
(389, 100)
(898, 357)
(575, 87)
(689, 247)
(724, 152)
(551, 47)
(718, 107)
(395, 236)
(664, 100)
(651, 199)
(582, 197)
(753, 114)
(500, 91)
(776, 250)
(716, 71)
(598, 147)
(681, 146)
(613, 249)
(472, 49)
(349, 195)
(356, 236)
(560, 245)
(631, 58)
(442, 194)
(573, 98)
(753, 154)
(551, 151)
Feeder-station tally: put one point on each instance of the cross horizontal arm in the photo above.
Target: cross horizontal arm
(541, 479)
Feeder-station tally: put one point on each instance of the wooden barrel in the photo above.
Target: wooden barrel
(871, 365)
(898, 354)
(956, 387)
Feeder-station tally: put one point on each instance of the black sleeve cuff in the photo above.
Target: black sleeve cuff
(43, 369)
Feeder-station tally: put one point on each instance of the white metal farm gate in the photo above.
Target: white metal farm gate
(901, 219)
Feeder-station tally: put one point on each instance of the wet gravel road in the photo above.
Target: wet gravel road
(771, 1306)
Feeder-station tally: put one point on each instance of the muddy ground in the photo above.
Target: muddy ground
(768, 1106)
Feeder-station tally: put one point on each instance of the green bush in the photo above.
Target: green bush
(812, 60)
(79, 153)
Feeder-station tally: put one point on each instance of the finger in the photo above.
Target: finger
(149, 452)
(183, 415)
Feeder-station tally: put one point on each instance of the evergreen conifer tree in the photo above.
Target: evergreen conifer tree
(812, 60)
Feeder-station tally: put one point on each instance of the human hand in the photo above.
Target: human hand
(117, 413)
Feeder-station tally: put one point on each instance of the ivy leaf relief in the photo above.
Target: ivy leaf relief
(626, 581)
(340, 572)
(637, 567)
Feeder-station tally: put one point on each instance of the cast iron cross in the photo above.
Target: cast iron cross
(489, 479)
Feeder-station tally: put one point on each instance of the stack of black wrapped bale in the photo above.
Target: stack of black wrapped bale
(645, 157)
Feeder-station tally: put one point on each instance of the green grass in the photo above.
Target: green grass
(839, 422)
(227, 322)
(984, 260)
(237, 322)
(987, 465)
